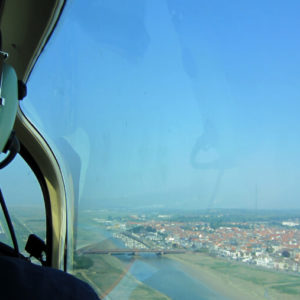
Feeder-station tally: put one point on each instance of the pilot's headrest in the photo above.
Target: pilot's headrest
(8, 109)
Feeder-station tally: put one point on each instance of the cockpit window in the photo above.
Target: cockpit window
(176, 126)
(25, 204)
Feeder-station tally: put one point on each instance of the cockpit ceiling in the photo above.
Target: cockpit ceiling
(26, 27)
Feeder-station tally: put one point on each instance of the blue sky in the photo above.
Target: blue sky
(187, 104)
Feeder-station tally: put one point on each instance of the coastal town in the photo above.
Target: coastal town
(272, 245)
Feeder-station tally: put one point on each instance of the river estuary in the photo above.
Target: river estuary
(164, 275)
(161, 273)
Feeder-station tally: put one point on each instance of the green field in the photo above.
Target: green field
(26, 220)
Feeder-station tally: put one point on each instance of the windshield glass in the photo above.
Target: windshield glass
(24, 201)
(177, 123)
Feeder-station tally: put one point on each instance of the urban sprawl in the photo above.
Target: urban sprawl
(273, 246)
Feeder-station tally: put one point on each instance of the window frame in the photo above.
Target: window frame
(42, 161)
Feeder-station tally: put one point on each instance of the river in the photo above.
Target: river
(161, 273)
(164, 275)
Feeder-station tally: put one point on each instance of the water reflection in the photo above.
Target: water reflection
(164, 275)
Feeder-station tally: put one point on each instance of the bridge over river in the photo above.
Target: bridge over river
(131, 251)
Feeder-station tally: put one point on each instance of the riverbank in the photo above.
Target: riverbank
(235, 281)
(111, 279)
